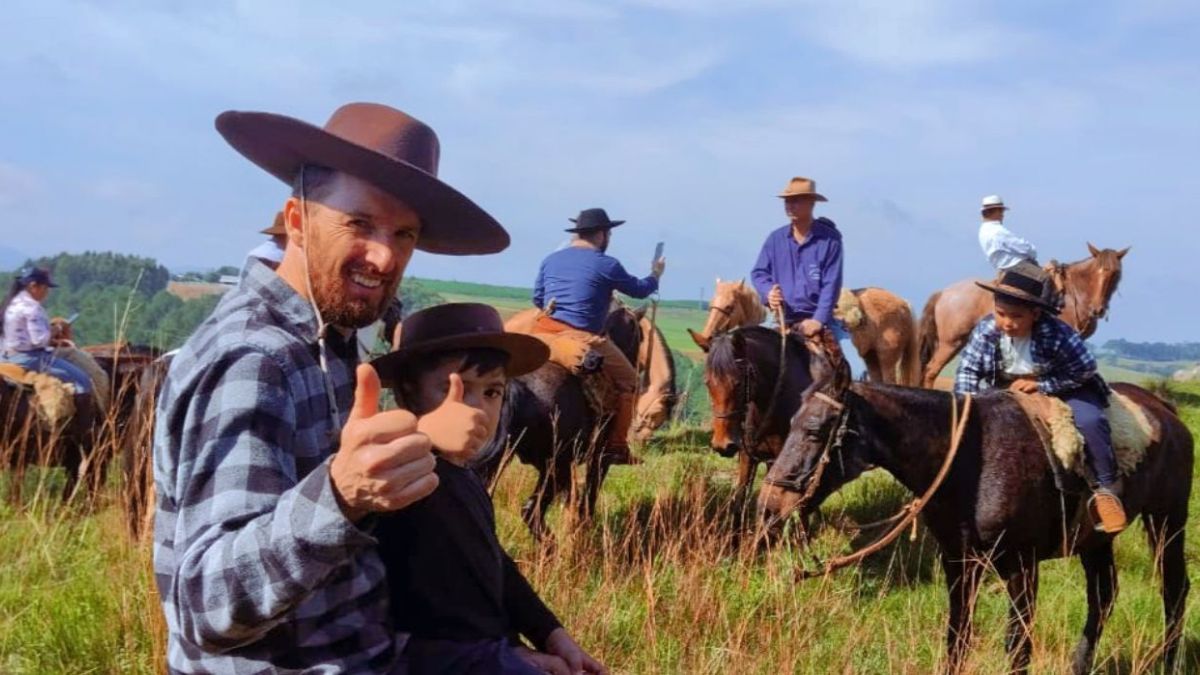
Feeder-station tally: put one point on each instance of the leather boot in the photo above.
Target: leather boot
(1109, 513)
(617, 450)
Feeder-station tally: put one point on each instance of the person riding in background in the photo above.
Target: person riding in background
(1004, 250)
(27, 341)
(799, 269)
(580, 280)
(459, 595)
(1025, 348)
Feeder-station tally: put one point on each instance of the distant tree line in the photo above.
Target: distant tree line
(1154, 351)
(123, 298)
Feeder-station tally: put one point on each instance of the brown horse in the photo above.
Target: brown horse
(27, 440)
(733, 305)
(137, 448)
(550, 425)
(656, 365)
(950, 314)
(751, 401)
(998, 505)
(884, 334)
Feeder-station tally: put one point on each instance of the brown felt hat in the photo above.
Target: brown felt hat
(276, 227)
(381, 145)
(802, 187)
(1024, 284)
(456, 326)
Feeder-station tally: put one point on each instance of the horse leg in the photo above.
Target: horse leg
(889, 363)
(1101, 592)
(941, 356)
(874, 370)
(1165, 535)
(962, 583)
(533, 512)
(1022, 590)
(597, 469)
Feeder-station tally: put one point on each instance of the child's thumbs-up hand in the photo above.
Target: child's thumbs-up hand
(455, 428)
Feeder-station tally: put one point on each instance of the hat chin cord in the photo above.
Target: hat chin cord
(322, 327)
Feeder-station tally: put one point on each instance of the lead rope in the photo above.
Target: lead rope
(958, 426)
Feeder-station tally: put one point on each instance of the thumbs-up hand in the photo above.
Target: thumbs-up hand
(383, 462)
(455, 428)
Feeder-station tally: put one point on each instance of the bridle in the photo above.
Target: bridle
(806, 483)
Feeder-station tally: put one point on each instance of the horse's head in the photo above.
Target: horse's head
(623, 328)
(60, 329)
(733, 305)
(813, 449)
(1093, 283)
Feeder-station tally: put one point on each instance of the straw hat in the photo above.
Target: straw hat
(992, 202)
(802, 187)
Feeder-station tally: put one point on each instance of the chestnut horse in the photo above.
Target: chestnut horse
(882, 329)
(733, 305)
(950, 314)
(998, 505)
(658, 396)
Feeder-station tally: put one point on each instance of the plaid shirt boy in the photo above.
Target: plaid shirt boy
(1061, 361)
(257, 568)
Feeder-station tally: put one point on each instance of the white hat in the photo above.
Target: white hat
(993, 202)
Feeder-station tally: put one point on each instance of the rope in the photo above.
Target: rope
(910, 511)
(756, 437)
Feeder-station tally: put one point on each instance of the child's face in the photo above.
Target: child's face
(1015, 320)
(482, 391)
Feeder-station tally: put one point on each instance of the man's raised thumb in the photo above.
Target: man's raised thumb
(366, 392)
(455, 392)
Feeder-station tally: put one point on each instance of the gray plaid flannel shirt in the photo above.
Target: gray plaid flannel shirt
(256, 566)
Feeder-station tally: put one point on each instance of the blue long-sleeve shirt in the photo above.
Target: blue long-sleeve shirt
(581, 281)
(809, 274)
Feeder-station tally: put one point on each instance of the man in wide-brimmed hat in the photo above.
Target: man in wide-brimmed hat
(1024, 347)
(580, 280)
(271, 453)
(271, 250)
(1004, 250)
(799, 269)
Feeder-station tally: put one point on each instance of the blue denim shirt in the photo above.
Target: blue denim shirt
(810, 274)
(581, 280)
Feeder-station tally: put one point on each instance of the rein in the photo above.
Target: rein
(908, 513)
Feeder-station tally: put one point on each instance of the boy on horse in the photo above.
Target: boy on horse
(1025, 348)
(799, 269)
(579, 281)
(459, 595)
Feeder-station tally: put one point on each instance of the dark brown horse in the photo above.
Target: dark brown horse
(950, 314)
(549, 423)
(25, 440)
(137, 445)
(998, 505)
(751, 405)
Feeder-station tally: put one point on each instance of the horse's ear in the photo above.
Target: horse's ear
(640, 313)
(742, 283)
(1093, 250)
(701, 341)
(1122, 252)
(718, 279)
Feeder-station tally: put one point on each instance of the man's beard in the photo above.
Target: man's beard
(339, 309)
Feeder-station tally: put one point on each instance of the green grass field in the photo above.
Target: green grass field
(661, 582)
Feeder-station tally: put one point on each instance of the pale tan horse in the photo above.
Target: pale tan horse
(950, 314)
(733, 305)
(882, 329)
(658, 397)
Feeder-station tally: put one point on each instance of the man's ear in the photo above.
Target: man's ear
(293, 222)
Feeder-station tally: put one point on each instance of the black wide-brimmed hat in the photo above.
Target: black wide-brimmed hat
(39, 275)
(592, 219)
(381, 145)
(1026, 284)
(456, 326)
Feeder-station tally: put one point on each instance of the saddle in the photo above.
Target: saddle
(54, 400)
(574, 352)
(1133, 431)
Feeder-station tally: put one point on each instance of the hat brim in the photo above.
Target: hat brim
(525, 353)
(609, 226)
(817, 196)
(1016, 294)
(451, 224)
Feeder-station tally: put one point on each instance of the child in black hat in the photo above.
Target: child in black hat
(1025, 348)
(453, 587)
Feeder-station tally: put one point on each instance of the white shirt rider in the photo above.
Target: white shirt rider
(1002, 248)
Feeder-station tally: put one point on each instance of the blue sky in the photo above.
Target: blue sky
(684, 117)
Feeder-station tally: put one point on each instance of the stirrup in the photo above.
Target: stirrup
(1108, 511)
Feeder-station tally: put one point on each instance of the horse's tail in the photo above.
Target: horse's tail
(928, 332)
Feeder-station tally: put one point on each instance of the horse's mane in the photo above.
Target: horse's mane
(722, 352)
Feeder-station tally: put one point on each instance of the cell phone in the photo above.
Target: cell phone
(658, 251)
(71, 319)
